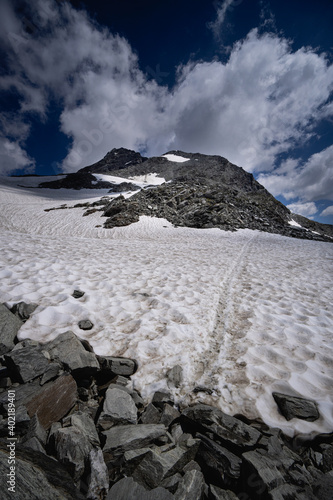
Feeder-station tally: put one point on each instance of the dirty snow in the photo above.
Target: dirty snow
(244, 313)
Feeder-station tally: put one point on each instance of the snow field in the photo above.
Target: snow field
(244, 314)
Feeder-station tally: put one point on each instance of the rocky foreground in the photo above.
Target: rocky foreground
(73, 427)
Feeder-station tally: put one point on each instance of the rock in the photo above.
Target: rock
(225, 428)
(128, 437)
(83, 422)
(169, 415)
(160, 398)
(151, 415)
(85, 324)
(171, 483)
(35, 430)
(267, 472)
(290, 491)
(219, 494)
(323, 488)
(98, 481)
(128, 489)
(191, 487)
(155, 466)
(77, 294)
(327, 454)
(23, 310)
(68, 349)
(34, 444)
(118, 366)
(26, 363)
(72, 449)
(37, 476)
(118, 408)
(53, 401)
(175, 376)
(295, 407)
(52, 372)
(9, 327)
(218, 462)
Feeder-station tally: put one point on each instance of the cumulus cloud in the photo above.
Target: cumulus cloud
(309, 181)
(305, 209)
(328, 211)
(221, 11)
(265, 100)
(13, 157)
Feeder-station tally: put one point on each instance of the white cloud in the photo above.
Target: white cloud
(310, 181)
(12, 157)
(305, 209)
(222, 10)
(263, 101)
(327, 211)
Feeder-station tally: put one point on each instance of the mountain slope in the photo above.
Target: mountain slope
(201, 191)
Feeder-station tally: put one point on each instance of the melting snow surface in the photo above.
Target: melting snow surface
(175, 158)
(294, 223)
(244, 313)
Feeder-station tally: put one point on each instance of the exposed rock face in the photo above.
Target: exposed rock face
(294, 407)
(203, 192)
(9, 326)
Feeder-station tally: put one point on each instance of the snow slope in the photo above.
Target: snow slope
(243, 313)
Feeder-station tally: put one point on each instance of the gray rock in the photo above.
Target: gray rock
(156, 466)
(118, 366)
(77, 294)
(293, 492)
(23, 310)
(128, 437)
(219, 494)
(151, 415)
(118, 408)
(37, 477)
(128, 489)
(52, 372)
(9, 327)
(218, 461)
(68, 349)
(160, 398)
(224, 427)
(175, 376)
(26, 363)
(85, 324)
(295, 407)
(83, 422)
(323, 488)
(327, 453)
(36, 430)
(34, 444)
(267, 472)
(171, 483)
(169, 415)
(191, 487)
(72, 449)
(98, 482)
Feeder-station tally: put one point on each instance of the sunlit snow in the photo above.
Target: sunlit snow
(244, 313)
(175, 158)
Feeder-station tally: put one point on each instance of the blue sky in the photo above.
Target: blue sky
(249, 80)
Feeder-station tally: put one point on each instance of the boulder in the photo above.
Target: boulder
(175, 376)
(229, 430)
(295, 407)
(169, 415)
(128, 437)
(37, 476)
(118, 366)
(118, 408)
(156, 466)
(68, 349)
(220, 494)
(53, 401)
(26, 363)
(36, 431)
(98, 480)
(85, 324)
(83, 422)
(128, 489)
(9, 327)
(160, 398)
(23, 310)
(77, 294)
(290, 491)
(72, 450)
(151, 415)
(191, 487)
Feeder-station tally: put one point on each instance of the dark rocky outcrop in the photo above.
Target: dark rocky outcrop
(9, 326)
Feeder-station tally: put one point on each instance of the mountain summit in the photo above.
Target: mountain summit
(195, 190)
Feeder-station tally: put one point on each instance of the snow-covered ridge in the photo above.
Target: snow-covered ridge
(244, 313)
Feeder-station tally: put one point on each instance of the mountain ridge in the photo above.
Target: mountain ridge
(201, 191)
